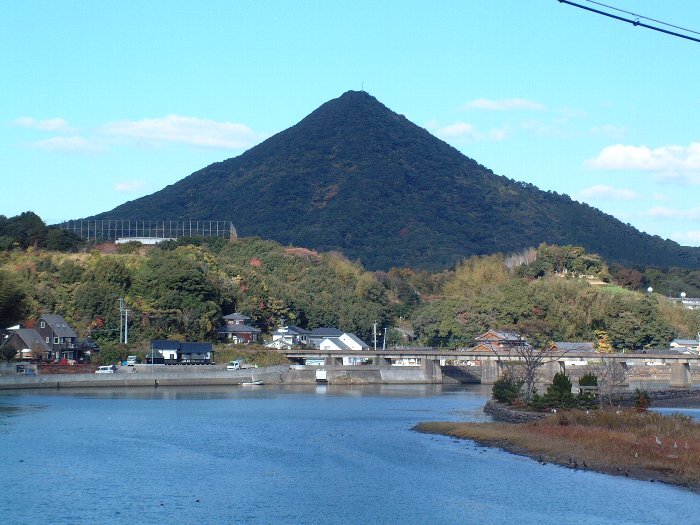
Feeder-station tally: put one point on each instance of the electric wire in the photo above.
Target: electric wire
(642, 16)
(634, 22)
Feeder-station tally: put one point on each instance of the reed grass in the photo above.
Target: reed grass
(622, 442)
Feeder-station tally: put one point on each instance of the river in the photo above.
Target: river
(308, 454)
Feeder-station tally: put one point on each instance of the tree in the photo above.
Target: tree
(611, 375)
(12, 300)
(507, 388)
(524, 360)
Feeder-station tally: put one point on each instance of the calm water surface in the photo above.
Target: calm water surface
(289, 455)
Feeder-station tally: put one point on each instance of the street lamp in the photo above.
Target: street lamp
(650, 289)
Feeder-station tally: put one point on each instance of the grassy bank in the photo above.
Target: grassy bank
(611, 441)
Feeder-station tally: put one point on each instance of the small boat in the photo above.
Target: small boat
(252, 382)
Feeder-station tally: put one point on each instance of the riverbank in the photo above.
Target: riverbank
(611, 441)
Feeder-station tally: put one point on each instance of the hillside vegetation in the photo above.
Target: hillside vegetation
(182, 289)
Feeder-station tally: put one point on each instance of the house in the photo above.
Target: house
(317, 335)
(345, 341)
(236, 330)
(565, 347)
(686, 345)
(180, 353)
(501, 339)
(286, 337)
(333, 339)
(60, 338)
(27, 343)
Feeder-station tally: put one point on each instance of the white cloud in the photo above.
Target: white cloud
(664, 159)
(663, 212)
(52, 124)
(186, 130)
(609, 131)
(554, 128)
(69, 144)
(507, 104)
(465, 132)
(605, 192)
(129, 186)
(691, 237)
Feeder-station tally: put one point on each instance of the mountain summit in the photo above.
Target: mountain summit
(356, 177)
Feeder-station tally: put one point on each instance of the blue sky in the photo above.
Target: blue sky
(104, 102)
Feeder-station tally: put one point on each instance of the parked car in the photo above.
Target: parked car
(131, 360)
(233, 365)
(105, 369)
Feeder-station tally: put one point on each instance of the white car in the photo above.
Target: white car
(105, 369)
(233, 365)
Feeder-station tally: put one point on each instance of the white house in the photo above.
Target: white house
(286, 337)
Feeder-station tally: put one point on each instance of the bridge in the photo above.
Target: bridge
(430, 360)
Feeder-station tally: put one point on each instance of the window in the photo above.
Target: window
(48, 340)
(43, 325)
(55, 340)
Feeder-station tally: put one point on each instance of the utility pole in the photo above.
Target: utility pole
(126, 326)
(121, 319)
(374, 331)
(384, 340)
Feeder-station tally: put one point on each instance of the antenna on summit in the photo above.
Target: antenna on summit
(363, 86)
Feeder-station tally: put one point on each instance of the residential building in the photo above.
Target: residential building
(287, 337)
(499, 341)
(58, 336)
(27, 344)
(237, 330)
(180, 353)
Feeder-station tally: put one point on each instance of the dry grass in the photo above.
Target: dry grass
(617, 442)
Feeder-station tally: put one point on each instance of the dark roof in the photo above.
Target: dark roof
(162, 344)
(567, 346)
(235, 316)
(325, 332)
(195, 348)
(58, 325)
(30, 338)
(237, 328)
(501, 335)
(182, 347)
(297, 329)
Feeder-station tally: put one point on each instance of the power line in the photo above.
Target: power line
(641, 16)
(634, 22)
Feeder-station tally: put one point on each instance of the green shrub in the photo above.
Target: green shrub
(506, 389)
(642, 400)
(558, 394)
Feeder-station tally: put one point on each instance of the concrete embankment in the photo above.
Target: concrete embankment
(360, 375)
(161, 375)
(147, 376)
(508, 414)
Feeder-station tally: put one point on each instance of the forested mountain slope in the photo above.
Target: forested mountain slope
(356, 177)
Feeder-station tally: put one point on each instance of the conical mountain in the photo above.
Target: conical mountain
(356, 177)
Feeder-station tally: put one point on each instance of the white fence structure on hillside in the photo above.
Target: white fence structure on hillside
(147, 231)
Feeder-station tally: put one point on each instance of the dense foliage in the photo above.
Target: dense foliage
(27, 229)
(356, 177)
(557, 305)
(183, 290)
